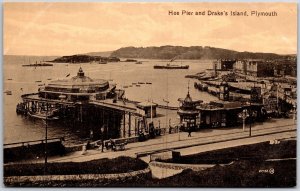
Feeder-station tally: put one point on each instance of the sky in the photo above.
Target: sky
(72, 28)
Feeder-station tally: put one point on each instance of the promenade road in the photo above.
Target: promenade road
(201, 141)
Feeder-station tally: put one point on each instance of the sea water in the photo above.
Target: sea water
(166, 85)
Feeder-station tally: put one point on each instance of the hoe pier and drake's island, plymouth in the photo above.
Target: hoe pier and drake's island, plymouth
(251, 101)
(150, 94)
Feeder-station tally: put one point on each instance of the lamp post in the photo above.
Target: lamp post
(250, 108)
(167, 102)
(178, 133)
(102, 142)
(244, 116)
(250, 116)
(46, 139)
(151, 105)
(294, 113)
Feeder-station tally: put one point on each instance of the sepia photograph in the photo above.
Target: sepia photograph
(144, 94)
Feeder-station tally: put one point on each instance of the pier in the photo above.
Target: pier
(94, 105)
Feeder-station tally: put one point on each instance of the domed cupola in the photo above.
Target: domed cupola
(81, 77)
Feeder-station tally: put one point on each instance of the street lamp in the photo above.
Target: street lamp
(250, 108)
(167, 102)
(250, 117)
(244, 116)
(102, 141)
(295, 113)
(46, 139)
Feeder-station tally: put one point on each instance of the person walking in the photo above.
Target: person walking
(190, 132)
(102, 143)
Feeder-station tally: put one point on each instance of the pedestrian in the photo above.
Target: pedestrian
(102, 142)
(190, 132)
(91, 134)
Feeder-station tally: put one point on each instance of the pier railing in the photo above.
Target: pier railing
(159, 106)
(26, 143)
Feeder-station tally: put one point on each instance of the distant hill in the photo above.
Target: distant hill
(19, 59)
(193, 52)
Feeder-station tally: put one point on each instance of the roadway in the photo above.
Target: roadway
(201, 141)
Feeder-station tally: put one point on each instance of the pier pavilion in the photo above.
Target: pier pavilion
(188, 112)
(92, 104)
(227, 114)
(78, 88)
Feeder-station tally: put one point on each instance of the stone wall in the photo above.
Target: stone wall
(176, 166)
(31, 151)
(99, 177)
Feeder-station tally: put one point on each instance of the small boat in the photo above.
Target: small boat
(8, 92)
(139, 62)
(133, 83)
(130, 60)
(9, 79)
(42, 115)
(148, 82)
(49, 79)
(41, 84)
(38, 81)
(141, 82)
(102, 62)
(138, 85)
(130, 86)
(125, 87)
